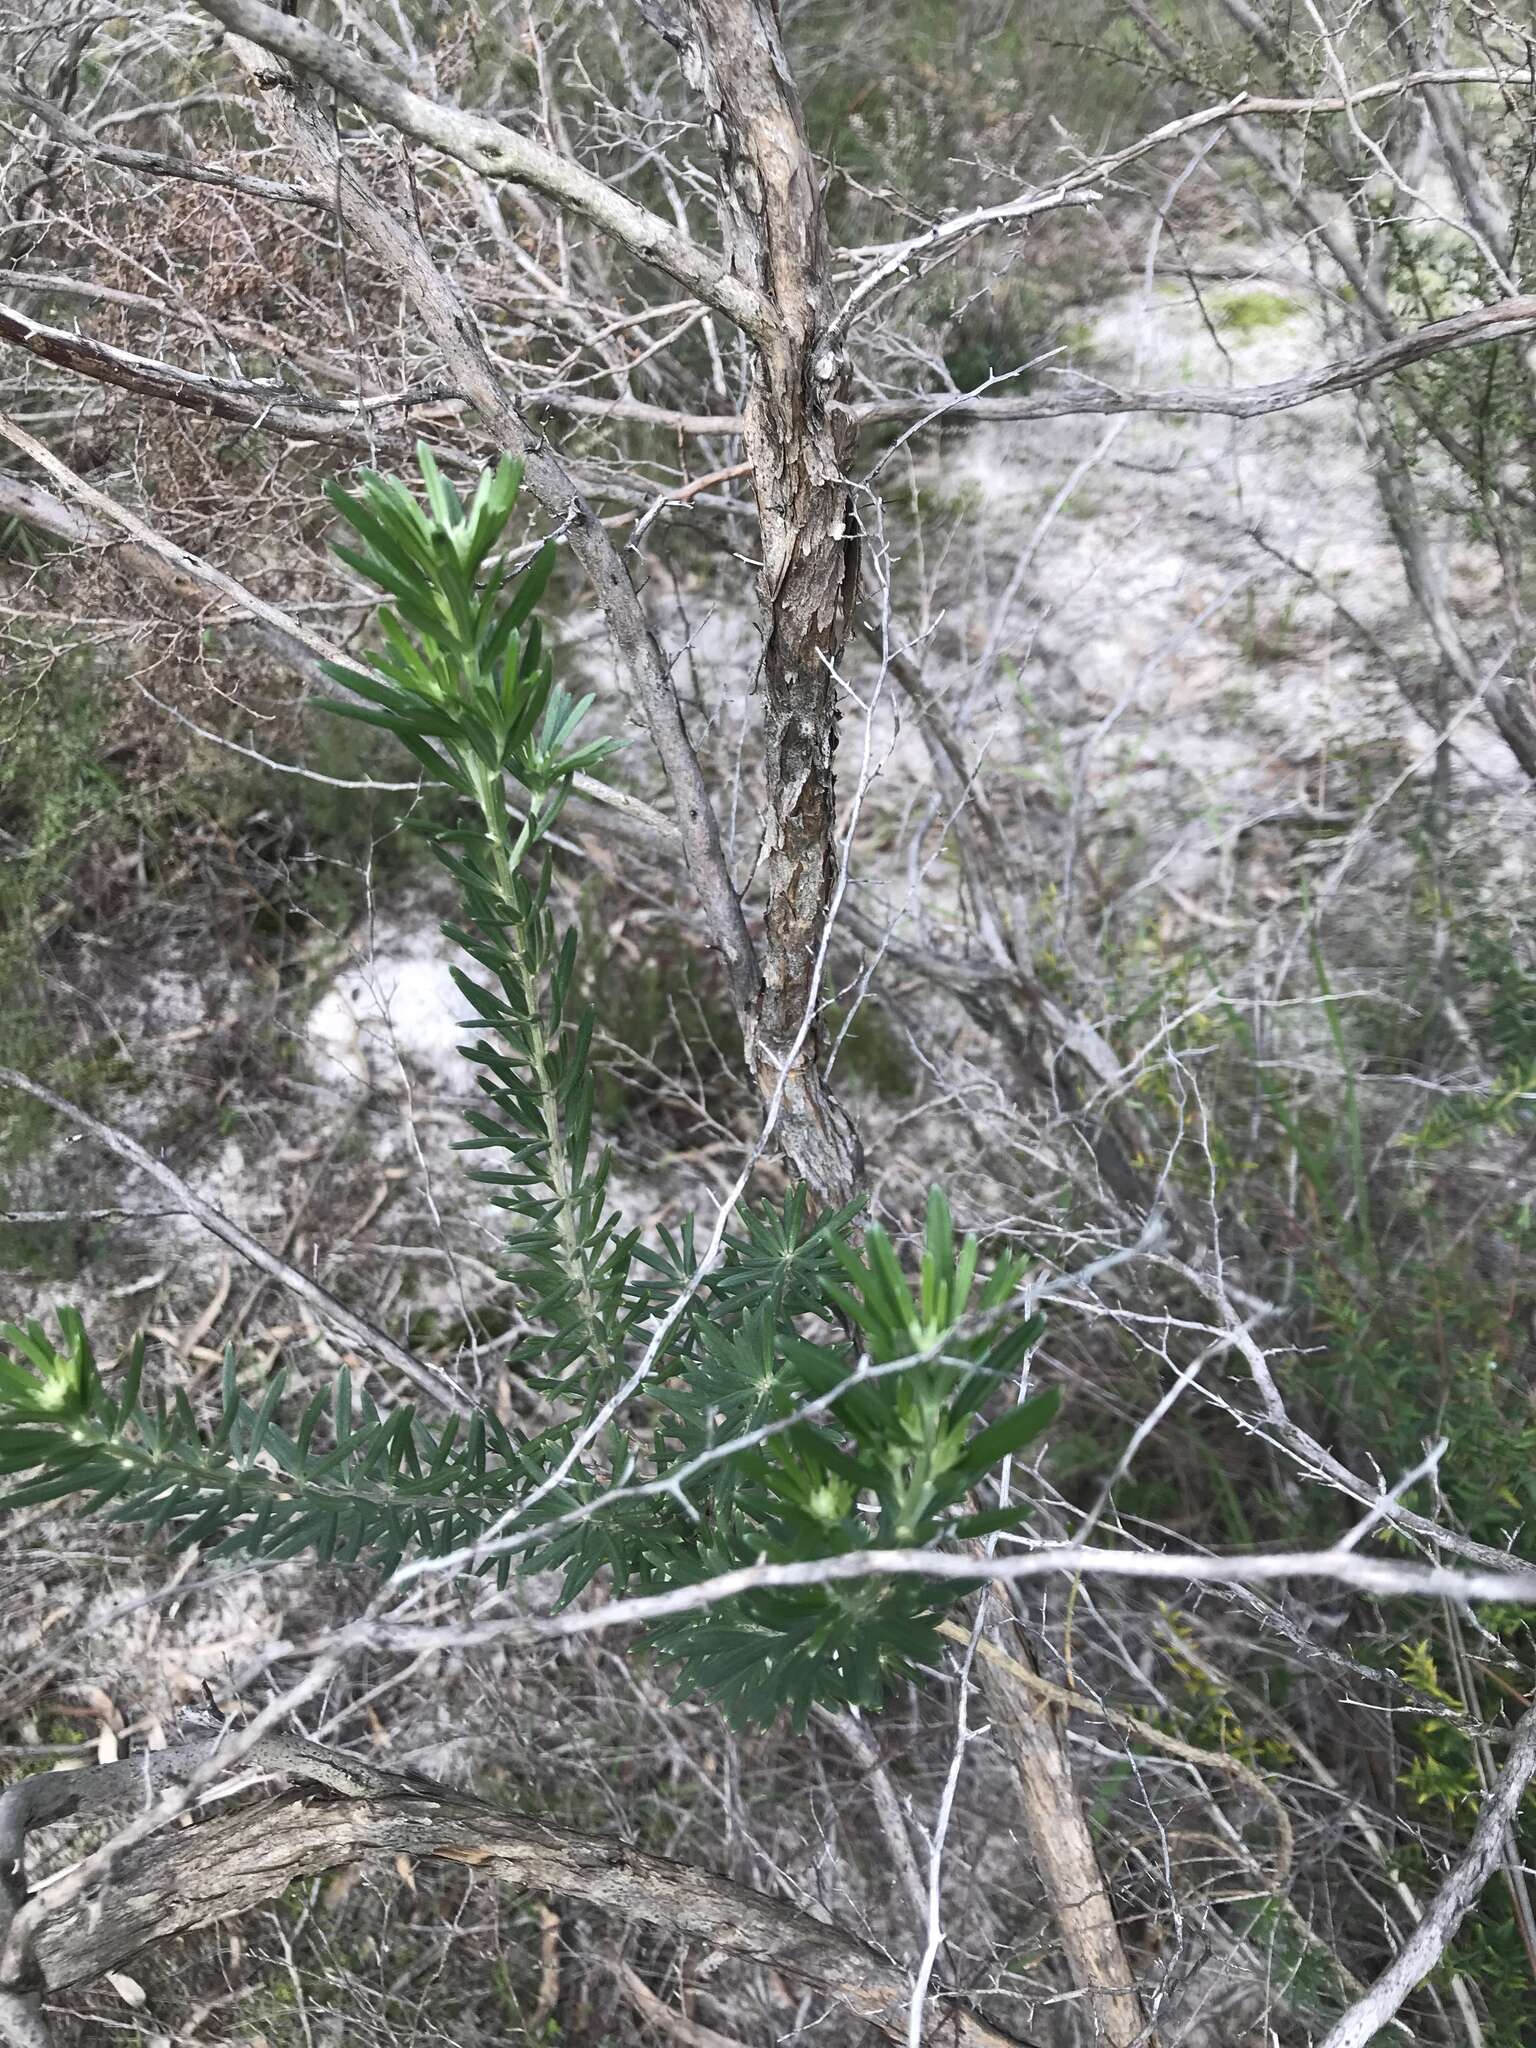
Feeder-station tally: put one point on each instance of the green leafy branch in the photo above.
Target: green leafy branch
(807, 1400)
(465, 683)
(378, 1486)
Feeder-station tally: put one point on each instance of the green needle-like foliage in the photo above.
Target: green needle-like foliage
(809, 1402)
(340, 1484)
(892, 1455)
(466, 685)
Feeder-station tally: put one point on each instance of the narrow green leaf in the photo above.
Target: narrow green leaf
(1012, 1431)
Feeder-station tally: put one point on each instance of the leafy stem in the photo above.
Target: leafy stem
(573, 1241)
(811, 1401)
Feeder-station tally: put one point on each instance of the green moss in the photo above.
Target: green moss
(1250, 312)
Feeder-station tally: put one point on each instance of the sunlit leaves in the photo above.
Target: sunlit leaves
(44, 1383)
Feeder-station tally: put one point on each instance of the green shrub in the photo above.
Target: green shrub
(794, 1400)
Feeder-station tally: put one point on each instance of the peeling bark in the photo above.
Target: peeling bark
(797, 435)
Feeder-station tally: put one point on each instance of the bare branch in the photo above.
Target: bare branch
(271, 407)
(497, 151)
(1076, 186)
(1386, 1576)
(154, 163)
(908, 260)
(1502, 321)
(1450, 1906)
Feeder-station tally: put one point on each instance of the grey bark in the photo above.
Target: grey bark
(180, 1880)
(1034, 1733)
(797, 436)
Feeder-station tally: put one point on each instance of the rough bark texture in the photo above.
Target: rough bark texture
(796, 438)
(185, 1879)
(1035, 1734)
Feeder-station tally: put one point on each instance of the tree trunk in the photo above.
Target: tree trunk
(796, 439)
(1034, 1733)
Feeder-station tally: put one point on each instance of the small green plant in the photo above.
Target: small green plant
(795, 1399)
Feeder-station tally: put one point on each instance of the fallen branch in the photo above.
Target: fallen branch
(657, 2013)
(1033, 1732)
(181, 1880)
